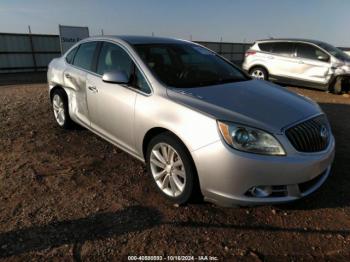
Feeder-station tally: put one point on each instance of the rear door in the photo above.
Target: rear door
(111, 106)
(283, 61)
(314, 64)
(79, 64)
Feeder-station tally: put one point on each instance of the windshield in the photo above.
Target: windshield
(336, 52)
(187, 65)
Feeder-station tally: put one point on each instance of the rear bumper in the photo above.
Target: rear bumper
(227, 175)
(245, 67)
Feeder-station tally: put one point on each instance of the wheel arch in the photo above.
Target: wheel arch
(55, 88)
(153, 132)
(259, 65)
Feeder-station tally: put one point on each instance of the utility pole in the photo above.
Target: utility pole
(102, 32)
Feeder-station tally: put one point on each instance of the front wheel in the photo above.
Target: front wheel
(337, 86)
(171, 167)
(259, 73)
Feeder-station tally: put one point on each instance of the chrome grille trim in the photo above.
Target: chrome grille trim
(306, 136)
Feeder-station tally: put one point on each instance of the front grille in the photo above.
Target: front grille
(310, 136)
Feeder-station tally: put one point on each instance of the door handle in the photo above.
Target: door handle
(93, 89)
(68, 76)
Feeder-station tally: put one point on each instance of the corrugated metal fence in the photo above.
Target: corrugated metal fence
(27, 52)
(33, 52)
(234, 52)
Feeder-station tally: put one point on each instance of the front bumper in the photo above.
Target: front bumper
(226, 175)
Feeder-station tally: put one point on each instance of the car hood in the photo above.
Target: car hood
(256, 103)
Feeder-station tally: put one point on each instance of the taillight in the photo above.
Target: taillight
(249, 52)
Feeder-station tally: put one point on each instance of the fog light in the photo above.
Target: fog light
(261, 191)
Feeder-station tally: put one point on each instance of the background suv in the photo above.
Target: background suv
(307, 63)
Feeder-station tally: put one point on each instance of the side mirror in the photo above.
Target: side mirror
(323, 58)
(116, 77)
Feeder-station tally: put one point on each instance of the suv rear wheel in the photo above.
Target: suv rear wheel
(258, 73)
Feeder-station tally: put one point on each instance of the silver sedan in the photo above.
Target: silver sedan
(201, 125)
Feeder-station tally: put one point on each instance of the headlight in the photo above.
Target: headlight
(250, 139)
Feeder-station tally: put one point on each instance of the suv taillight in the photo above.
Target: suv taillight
(249, 52)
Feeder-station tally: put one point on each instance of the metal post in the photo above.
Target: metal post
(220, 46)
(32, 48)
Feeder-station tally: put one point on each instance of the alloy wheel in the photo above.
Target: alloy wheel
(58, 109)
(258, 74)
(168, 169)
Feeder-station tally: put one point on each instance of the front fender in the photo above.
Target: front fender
(195, 129)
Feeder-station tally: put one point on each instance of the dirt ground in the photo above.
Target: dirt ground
(69, 195)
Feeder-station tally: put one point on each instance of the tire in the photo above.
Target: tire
(180, 182)
(259, 72)
(60, 109)
(336, 86)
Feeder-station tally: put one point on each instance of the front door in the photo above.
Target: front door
(111, 106)
(314, 64)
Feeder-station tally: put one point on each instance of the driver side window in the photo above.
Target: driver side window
(311, 52)
(140, 82)
(114, 58)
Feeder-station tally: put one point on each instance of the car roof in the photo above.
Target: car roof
(316, 42)
(134, 39)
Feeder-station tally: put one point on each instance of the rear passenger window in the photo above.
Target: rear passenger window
(310, 52)
(70, 55)
(84, 55)
(266, 47)
(283, 48)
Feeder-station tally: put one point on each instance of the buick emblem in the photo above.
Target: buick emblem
(324, 132)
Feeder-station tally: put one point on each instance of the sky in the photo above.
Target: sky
(201, 20)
